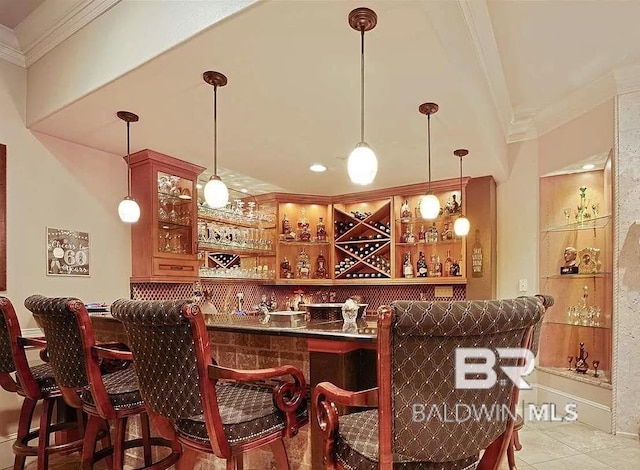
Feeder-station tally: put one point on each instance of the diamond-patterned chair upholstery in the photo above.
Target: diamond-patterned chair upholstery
(415, 425)
(35, 383)
(76, 360)
(179, 383)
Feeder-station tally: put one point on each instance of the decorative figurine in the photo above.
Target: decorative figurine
(583, 208)
(570, 359)
(570, 265)
(589, 260)
(582, 366)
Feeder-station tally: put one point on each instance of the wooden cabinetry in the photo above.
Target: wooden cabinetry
(434, 241)
(302, 242)
(363, 240)
(163, 241)
(580, 228)
(237, 241)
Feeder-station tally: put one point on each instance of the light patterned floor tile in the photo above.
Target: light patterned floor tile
(582, 462)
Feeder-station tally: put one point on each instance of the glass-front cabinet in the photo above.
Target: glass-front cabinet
(163, 241)
(237, 241)
(576, 269)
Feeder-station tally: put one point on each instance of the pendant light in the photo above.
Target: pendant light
(128, 209)
(462, 225)
(216, 193)
(362, 164)
(430, 204)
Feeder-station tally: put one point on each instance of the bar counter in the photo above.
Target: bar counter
(320, 348)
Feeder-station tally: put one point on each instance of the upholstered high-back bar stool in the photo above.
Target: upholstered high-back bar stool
(75, 358)
(182, 387)
(34, 383)
(514, 445)
(414, 425)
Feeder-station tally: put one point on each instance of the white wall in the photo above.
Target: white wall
(517, 224)
(57, 184)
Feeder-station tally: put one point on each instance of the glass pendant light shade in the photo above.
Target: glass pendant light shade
(461, 226)
(216, 193)
(129, 210)
(430, 204)
(430, 207)
(362, 165)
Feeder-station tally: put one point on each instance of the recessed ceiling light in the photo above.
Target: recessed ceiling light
(318, 167)
(244, 190)
(588, 166)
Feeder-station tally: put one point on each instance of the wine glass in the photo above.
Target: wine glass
(567, 214)
(570, 359)
(596, 364)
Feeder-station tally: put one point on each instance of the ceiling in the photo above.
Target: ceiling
(12, 12)
(293, 92)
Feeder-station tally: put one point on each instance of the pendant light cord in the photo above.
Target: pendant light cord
(128, 163)
(215, 131)
(362, 86)
(461, 211)
(429, 148)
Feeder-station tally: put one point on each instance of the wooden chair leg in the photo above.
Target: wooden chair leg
(106, 441)
(146, 438)
(235, 463)
(43, 434)
(187, 459)
(280, 455)
(118, 444)
(94, 425)
(26, 414)
(516, 441)
(511, 458)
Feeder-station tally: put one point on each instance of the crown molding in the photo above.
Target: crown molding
(47, 27)
(478, 22)
(627, 79)
(9, 47)
(575, 104)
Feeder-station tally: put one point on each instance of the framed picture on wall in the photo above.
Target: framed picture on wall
(67, 252)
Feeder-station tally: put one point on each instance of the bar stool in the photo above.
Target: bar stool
(206, 407)
(34, 383)
(75, 359)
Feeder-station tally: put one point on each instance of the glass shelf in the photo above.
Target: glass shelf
(168, 225)
(601, 325)
(300, 243)
(231, 216)
(227, 248)
(595, 223)
(602, 380)
(577, 276)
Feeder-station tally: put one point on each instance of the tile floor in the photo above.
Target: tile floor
(545, 446)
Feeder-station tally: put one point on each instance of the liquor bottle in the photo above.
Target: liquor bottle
(321, 231)
(422, 235)
(304, 234)
(432, 266)
(286, 225)
(405, 235)
(412, 236)
(438, 267)
(446, 232)
(405, 210)
(303, 266)
(285, 269)
(455, 268)
(321, 267)
(447, 264)
(421, 266)
(432, 234)
(407, 267)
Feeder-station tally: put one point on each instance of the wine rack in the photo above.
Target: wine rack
(363, 240)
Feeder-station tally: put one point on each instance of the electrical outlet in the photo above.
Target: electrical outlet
(522, 285)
